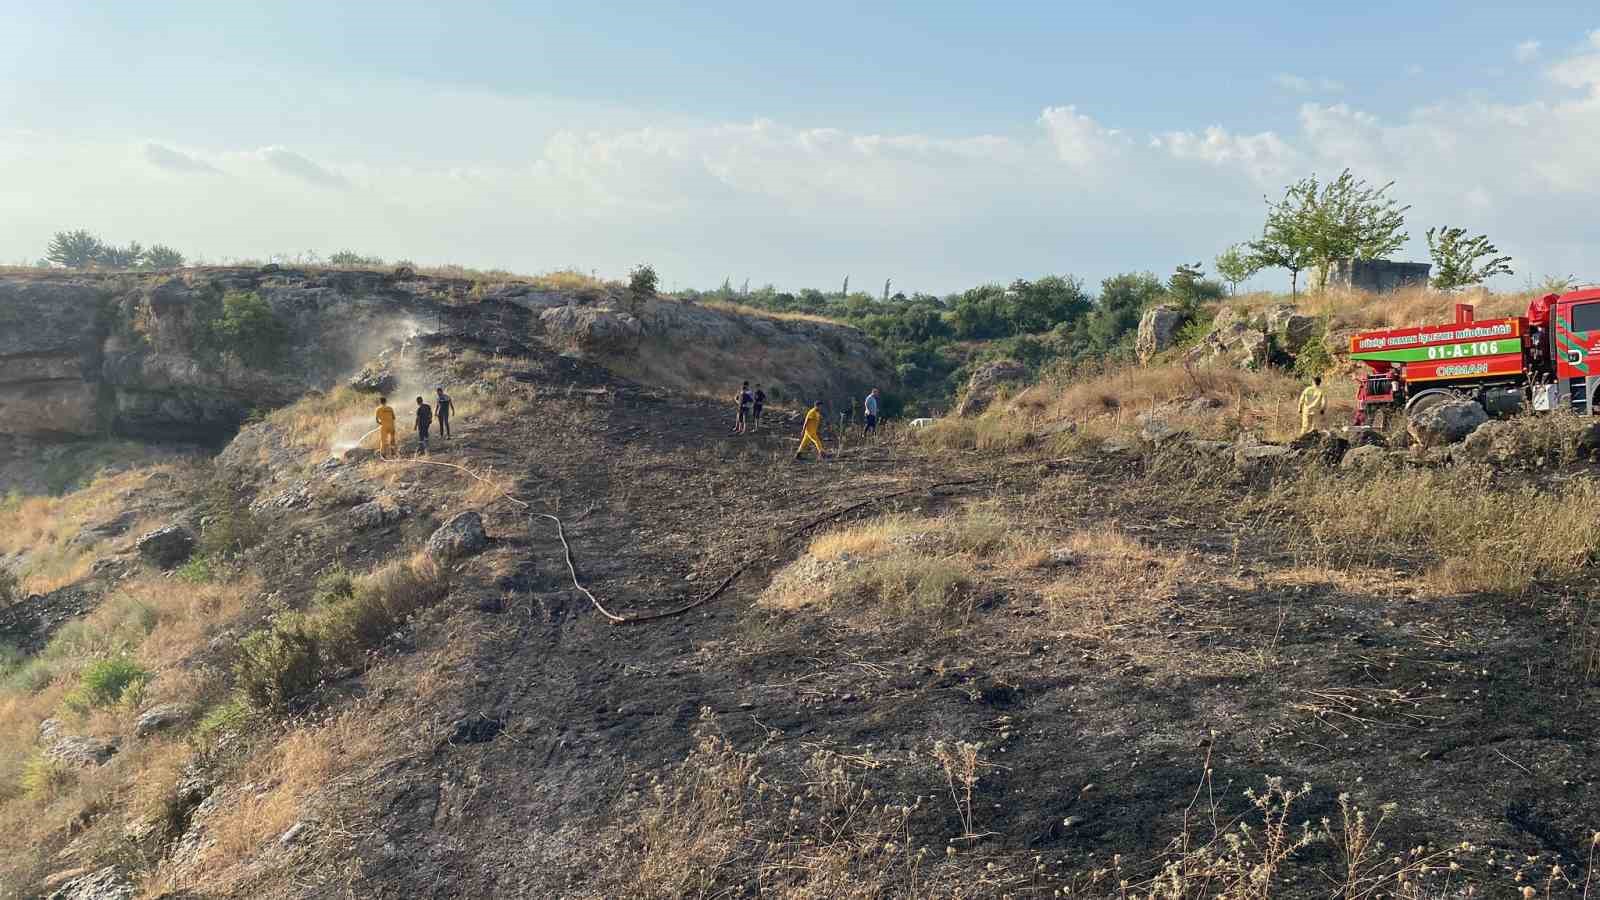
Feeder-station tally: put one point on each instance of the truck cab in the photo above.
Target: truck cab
(1571, 344)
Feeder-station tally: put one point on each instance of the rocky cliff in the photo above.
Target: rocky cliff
(134, 355)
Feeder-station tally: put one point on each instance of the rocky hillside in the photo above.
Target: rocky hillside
(593, 646)
(188, 357)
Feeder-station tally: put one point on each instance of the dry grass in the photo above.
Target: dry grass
(739, 309)
(903, 570)
(1109, 580)
(1467, 528)
(1265, 402)
(41, 528)
(315, 423)
(147, 621)
(1411, 306)
(734, 822)
(287, 774)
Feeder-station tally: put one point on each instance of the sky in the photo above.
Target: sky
(937, 145)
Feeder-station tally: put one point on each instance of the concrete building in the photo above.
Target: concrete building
(1378, 275)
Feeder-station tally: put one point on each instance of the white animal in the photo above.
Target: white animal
(921, 423)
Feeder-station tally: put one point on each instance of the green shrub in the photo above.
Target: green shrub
(108, 681)
(125, 627)
(279, 664)
(232, 717)
(1313, 358)
(43, 776)
(198, 570)
(229, 526)
(246, 327)
(336, 586)
(32, 675)
(376, 606)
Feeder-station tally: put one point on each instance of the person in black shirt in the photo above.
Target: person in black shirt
(443, 406)
(760, 399)
(424, 422)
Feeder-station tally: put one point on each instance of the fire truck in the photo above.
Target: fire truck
(1546, 360)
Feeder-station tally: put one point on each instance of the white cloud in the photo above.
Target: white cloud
(1299, 84)
(1526, 51)
(291, 163)
(774, 200)
(176, 161)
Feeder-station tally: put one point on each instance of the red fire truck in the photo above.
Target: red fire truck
(1548, 359)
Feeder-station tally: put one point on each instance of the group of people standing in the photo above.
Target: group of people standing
(750, 404)
(443, 406)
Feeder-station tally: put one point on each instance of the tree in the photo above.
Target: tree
(74, 249)
(161, 256)
(1462, 260)
(246, 326)
(1236, 265)
(349, 259)
(642, 282)
(120, 257)
(1316, 224)
(1190, 287)
(1116, 314)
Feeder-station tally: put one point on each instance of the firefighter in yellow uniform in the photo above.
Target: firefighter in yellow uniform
(1313, 407)
(386, 441)
(812, 432)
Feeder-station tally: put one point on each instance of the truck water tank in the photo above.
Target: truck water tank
(1502, 401)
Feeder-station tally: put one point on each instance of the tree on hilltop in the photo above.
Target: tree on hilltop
(1236, 265)
(74, 249)
(121, 257)
(1317, 224)
(161, 256)
(1461, 260)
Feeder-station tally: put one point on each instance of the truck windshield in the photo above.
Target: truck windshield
(1586, 317)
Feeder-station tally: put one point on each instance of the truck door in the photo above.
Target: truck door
(1577, 352)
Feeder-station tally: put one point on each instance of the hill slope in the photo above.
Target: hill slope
(930, 674)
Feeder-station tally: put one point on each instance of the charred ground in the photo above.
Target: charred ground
(1121, 694)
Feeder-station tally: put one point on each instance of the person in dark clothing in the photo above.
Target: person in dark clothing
(760, 398)
(443, 406)
(424, 422)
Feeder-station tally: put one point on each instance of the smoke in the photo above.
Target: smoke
(394, 367)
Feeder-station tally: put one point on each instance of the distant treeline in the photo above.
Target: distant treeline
(934, 341)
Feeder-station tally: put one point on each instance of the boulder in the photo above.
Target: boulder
(375, 378)
(360, 454)
(1118, 447)
(375, 514)
(1363, 457)
(1252, 458)
(1446, 422)
(1492, 442)
(461, 537)
(1210, 448)
(592, 328)
(985, 385)
(1157, 432)
(1365, 436)
(160, 718)
(167, 547)
(114, 527)
(1158, 330)
(1291, 327)
(103, 884)
(1327, 447)
(73, 750)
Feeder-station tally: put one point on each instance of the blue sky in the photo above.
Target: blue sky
(941, 145)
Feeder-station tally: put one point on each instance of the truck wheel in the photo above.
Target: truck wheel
(1427, 400)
